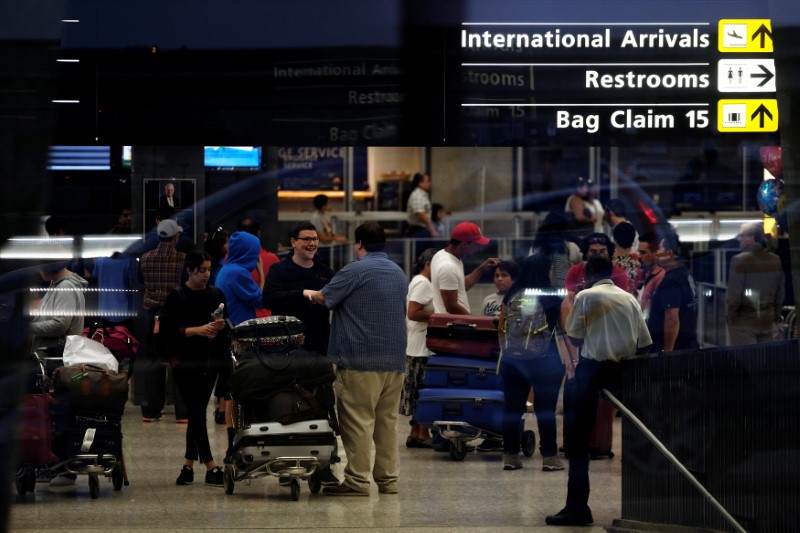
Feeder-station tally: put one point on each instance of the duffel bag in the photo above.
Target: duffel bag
(118, 339)
(272, 334)
(260, 374)
(87, 388)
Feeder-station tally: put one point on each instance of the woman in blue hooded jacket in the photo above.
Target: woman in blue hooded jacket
(242, 294)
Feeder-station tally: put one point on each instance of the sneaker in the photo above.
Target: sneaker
(343, 490)
(552, 464)
(215, 477)
(63, 480)
(570, 517)
(186, 477)
(181, 420)
(490, 445)
(512, 461)
(328, 478)
(151, 418)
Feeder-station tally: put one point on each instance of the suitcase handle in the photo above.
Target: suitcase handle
(458, 379)
(453, 409)
(460, 325)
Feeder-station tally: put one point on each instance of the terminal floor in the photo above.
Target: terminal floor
(436, 494)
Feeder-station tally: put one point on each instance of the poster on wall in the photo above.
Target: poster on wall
(170, 198)
(315, 168)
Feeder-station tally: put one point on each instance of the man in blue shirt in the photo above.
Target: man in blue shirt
(368, 347)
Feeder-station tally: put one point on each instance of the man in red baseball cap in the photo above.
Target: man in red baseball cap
(450, 285)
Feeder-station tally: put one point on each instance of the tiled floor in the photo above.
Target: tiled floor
(435, 494)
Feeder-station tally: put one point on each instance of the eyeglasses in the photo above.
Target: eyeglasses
(308, 240)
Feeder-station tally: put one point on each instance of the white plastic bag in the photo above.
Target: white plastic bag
(82, 351)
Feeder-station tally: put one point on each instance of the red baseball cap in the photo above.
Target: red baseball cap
(468, 232)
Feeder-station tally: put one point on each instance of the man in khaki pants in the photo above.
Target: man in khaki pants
(368, 347)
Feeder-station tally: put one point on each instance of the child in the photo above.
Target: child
(504, 276)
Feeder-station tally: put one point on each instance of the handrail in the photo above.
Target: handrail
(674, 460)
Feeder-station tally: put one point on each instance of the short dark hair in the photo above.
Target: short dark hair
(302, 226)
(249, 225)
(55, 224)
(195, 258)
(624, 234)
(651, 239)
(320, 201)
(597, 238)
(671, 242)
(435, 208)
(598, 267)
(509, 266)
(617, 206)
(372, 236)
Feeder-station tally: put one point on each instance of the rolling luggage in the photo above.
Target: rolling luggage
(463, 335)
(259, 444)
(269, 334)
(462, 373)
(36, 431)
(601, 439)
(476, 407)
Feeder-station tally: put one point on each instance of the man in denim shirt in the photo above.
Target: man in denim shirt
(368, 347)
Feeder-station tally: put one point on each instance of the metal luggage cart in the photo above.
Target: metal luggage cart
(460, 433)
(88, 464)
(295, 451)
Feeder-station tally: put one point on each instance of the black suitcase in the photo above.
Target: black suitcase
(268, 334)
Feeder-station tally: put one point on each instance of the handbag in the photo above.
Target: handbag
(88, 388)
(80, 350)
(118, 340)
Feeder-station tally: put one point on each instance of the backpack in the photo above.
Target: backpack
(526, 332)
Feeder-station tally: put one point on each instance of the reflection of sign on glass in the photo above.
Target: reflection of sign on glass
(313, 168)
(169, 198)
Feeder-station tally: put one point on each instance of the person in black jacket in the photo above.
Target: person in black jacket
(197, 350)
(286, 292)
(289, 282)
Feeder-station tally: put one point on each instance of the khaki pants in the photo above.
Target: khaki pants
(367, 404)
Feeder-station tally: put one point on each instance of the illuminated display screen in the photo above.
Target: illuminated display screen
(232, 157)
(79, 158)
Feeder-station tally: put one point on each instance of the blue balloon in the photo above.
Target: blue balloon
(769, 194)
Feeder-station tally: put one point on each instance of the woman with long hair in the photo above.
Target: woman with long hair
(529, 358)
(198, 349)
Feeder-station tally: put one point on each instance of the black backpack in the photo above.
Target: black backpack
(526, 332)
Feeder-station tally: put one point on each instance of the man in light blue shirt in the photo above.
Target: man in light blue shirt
(368, 347)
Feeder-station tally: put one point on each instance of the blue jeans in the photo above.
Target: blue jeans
(545, 375)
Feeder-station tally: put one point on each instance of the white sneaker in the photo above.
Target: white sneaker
(552, 464)
(63, 480)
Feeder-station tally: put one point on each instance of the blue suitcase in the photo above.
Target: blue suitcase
(462, 373)
(477, 407)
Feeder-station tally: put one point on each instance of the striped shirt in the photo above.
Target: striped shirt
(368, 330)
(161, 270)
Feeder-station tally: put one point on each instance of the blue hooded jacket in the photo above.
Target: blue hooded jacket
(234, 280)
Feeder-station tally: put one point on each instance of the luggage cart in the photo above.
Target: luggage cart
(296, 451)
(460, 433)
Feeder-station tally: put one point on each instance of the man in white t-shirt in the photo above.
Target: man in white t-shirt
(450, 285)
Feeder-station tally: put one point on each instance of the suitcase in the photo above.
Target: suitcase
(476, 407)
(462, 373)
(86, 388)
(68, 443)
(36, 431)
(259, 444)
(463, 335)
(601, 439)
(270, 334)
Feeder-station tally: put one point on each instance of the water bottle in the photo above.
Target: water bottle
(218, 313)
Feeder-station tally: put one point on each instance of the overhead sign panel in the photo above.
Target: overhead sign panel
(746, 76)
(745, 35)
(747, 115)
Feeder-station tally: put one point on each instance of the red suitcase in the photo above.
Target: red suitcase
(463, 335)
(35, 436)
(601, 439)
